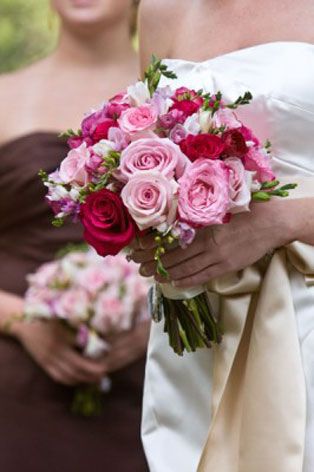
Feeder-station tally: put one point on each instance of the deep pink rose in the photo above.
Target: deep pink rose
(96, 126)
(107, 223)
(257, 160)
(137, 119)
(73, 167)
(206, 145)
(115, 109)
(235, 144)
(150, 199)
(204, 193)
(248, 135)
(102, 129)
(187, 101)
(240, 182)
(152, 154)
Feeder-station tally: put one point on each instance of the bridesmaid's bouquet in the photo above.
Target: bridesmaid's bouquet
(153, 159)
(95, 298)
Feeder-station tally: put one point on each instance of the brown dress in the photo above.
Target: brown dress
(37, 432)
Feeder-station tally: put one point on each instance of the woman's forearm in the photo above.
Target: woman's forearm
(300, 212)
(11, 308)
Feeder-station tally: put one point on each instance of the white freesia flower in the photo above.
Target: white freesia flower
(103, 147)
(138, 93)
(57, 193)
(192, 125)
(205, 120)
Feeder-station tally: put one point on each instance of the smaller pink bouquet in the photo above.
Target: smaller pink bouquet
(168, 161)
(93, 297)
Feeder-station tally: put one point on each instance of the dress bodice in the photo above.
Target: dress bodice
(280, 77)
(27, 237)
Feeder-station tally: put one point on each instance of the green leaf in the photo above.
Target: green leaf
(154, 72)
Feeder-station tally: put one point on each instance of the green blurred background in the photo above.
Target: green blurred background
(28, 31)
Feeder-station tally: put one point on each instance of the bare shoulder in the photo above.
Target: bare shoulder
(17, 90)
(157, 26)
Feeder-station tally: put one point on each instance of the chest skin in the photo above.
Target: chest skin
(209, 28)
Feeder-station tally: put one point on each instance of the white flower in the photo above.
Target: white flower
(205, 120)
(192, 125)
(103, 147)
(138, 93)
(95, 346)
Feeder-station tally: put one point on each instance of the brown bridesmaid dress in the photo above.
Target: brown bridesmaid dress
(37, 432)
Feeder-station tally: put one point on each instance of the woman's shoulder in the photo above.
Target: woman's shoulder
(158, 21)
(16, 91)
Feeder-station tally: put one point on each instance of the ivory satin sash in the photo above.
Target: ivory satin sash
(259, 398)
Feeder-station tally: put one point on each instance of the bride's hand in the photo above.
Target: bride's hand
(222, 249)
(51, 345)
(126, 348)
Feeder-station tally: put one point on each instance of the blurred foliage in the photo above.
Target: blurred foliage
(28, 31)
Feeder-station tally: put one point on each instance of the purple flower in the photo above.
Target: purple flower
(178, 133)
(184, 232)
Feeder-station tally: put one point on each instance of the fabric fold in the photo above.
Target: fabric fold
(259, 396)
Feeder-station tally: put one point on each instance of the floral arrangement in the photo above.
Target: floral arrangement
(95, 298)
(154, 159)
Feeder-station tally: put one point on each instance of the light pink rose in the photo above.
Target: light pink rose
(73, 167)
(204, 193)
(137, 119)
(239, 185)
(73, 306)
(158, 154)
(38, 302)
(150, 199)
(93, 278)
(45, 275)
(111, 314)
(258, 161)
(226, 117)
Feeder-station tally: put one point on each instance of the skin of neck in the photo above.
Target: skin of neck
(95, 44)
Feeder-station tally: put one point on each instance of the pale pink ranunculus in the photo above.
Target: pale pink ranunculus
(204, 193)
(73, 305)
(257, 160)
(240, 182)
(158, 154)
(73, 167)
(150, 198)
(226, 117)
(137, 119)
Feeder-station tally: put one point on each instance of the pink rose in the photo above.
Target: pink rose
(111, 314)
(204, 193)
(152, 154)
(94, 278)
(72, 305)
(73, 167)
(257, 160)
(45, 275)
(239, 184)
(150, 199)
(137, 119)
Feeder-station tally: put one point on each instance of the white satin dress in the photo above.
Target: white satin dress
(177, 396)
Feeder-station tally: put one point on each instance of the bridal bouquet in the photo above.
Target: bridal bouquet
(93, 297)
(153, 159)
